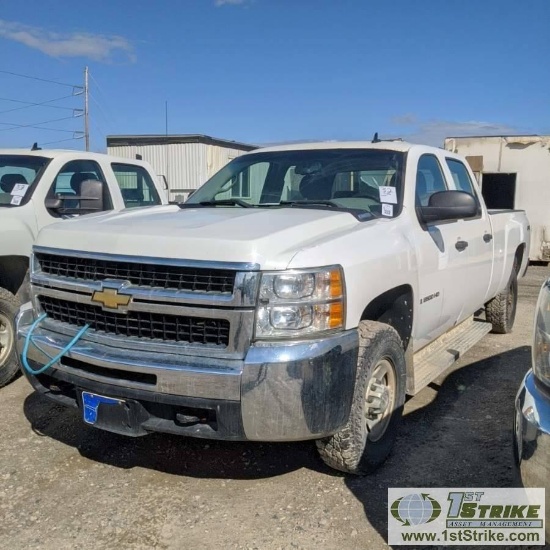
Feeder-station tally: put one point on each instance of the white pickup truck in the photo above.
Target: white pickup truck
(301, 293)
(39, 187)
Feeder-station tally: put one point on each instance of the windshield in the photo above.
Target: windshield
(367, 181)
(17, 175)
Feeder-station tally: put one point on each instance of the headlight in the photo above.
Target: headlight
(299, 303)
(541, 344)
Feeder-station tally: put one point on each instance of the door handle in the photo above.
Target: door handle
(461, 245)
(487, 237)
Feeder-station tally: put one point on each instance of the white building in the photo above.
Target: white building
(513, 172)
(183, 162)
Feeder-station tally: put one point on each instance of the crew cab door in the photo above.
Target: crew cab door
(476, 233)
(442, 259)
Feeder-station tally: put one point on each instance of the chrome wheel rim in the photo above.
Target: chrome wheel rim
(380, 399)
(6, 338)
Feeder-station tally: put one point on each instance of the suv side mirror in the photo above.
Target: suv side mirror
(447, 206)
(90, 200)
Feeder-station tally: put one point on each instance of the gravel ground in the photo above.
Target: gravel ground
(66, 485)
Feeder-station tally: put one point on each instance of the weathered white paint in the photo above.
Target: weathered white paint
(19, 226)
(376, 255)
(529, 158)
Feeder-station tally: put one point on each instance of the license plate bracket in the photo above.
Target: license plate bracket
(123, 416)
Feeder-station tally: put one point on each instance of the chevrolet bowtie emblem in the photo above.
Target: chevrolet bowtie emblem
(110, 298)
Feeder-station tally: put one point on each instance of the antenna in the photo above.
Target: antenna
(375, 138)
(35, 147)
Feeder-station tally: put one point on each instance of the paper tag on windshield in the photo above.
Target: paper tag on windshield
(19, 190)
(387, 210)
(387, 194)
(16, 200)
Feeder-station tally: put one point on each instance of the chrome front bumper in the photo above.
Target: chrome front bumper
(282, 391)
(532, 437)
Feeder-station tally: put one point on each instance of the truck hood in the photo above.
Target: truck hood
(268, 237)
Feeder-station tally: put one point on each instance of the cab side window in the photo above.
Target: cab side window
(429, 179)
(136, 185)
(69, 180)
(460, 176)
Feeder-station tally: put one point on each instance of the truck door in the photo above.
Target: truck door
(477, 234)
(442, 259)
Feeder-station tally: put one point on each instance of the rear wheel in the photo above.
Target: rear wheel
(501, 310)
(9, 365)
(366, 440)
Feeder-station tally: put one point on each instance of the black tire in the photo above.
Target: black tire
(501, 310)
(9, 364)
(359, 447)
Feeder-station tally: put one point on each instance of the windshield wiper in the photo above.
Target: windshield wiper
(312, 202)
(221, 202)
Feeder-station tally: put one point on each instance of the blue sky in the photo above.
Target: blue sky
(267, 71)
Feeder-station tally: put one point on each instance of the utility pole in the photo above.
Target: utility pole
(86, 113)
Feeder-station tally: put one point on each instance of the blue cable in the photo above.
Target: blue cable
(29, 341)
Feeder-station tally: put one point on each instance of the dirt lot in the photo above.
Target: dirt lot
(66, 485)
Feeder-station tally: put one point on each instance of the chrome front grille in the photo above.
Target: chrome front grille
(139, 324)
(174, 306)
(165, 276)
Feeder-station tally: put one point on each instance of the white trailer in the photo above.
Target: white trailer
(513, 172)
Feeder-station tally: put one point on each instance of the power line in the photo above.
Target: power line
(38, 128)
(98, 128)
(29, 104)
(41, 79)
(103, 113)
(100, 90)
(62, 140)
(38, 124)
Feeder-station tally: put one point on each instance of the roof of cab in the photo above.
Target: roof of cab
(396, 145)
(53, 153)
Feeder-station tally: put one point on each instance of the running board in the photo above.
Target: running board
(435, 358)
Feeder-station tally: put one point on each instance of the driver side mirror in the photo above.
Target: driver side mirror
(90, 200)
(449, 206)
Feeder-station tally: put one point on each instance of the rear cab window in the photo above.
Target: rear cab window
(136, 185)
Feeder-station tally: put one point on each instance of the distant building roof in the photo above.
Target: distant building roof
(161, 139)
(500, 136)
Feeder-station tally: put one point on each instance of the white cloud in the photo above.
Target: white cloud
(435, 131)
(404, 120)
(96, 47)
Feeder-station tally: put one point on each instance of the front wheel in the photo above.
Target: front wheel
(9, 365)
(366, 440)
(501, 310)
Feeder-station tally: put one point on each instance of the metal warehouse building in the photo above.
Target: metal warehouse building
(513, 172)
(183, 162)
